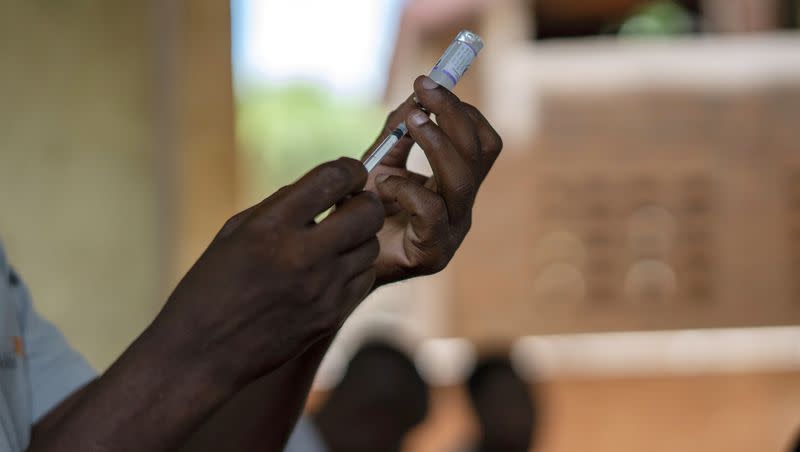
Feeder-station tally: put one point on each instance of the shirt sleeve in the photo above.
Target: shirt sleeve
(55, 369)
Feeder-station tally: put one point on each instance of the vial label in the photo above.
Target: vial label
(455, 62)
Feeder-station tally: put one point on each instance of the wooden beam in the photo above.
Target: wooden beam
(197, 141)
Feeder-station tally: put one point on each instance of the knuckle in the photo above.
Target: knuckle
(281, 191)
(436, 204)
(334, 173)
(439, 262)
(465, 190)
(464, 227)
(496, 144)
(349, 163)
(451, 106)
(471, 109)
(295, 257)
(232, 223)
(495, 141)
(392, 119)
(354, 168)
(468, 224)
(437, 139)
(373, 249)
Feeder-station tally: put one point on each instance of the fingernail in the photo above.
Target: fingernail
(381, 178)
(417, 118)
(428, 83)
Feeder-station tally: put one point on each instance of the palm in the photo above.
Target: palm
(427, 218)
(401, 245)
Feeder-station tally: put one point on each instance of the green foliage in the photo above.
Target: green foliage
(287, 130)
(658, 18)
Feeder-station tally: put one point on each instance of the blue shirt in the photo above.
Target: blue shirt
(305, 438)
(38, 369)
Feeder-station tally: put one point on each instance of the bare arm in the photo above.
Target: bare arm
(156, 398)
(262, 416)
(271, 286)
(150, 399)
(427, 218)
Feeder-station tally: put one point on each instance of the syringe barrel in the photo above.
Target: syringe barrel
(456, 59)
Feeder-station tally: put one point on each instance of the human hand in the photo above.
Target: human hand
(273, 281)
(427, 218)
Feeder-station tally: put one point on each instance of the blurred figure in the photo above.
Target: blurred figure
(795, 446)
(504, 406)
(379, 400)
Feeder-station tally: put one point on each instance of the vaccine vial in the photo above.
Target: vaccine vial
(447, 72)
(456, 59)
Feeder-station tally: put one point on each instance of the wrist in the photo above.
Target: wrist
(172, 357)
(165, 395)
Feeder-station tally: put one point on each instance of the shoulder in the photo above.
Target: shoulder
(3, 264)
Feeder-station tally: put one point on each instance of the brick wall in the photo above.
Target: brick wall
(655, 209)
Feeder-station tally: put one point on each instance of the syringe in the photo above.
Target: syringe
(447, 72)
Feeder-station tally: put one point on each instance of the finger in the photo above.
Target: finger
(234, 222)
(238, 219)
(426, 209)
(451, 117)
(398, 156)
(491, 142)
(454, 177)
(317, 191)
(355, 221)
(417, 178)
(358, 259)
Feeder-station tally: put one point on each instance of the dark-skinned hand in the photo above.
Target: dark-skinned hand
(274, 281)
(427, 218)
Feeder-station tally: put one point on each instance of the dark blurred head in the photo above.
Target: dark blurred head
(795, 447)
(379, 400)
(504, 406)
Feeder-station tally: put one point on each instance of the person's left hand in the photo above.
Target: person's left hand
(427, 218)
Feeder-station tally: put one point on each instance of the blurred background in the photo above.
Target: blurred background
(634, 253)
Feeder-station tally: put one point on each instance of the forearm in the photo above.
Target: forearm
(150, 399)
(262, 416)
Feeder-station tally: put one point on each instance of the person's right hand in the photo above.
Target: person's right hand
(274, 281)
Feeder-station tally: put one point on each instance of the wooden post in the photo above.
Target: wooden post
(736, 16)
(196, 128)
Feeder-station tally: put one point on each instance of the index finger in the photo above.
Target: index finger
(452, 118)
(318, 190)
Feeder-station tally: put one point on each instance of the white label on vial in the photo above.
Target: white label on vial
(456, 60)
